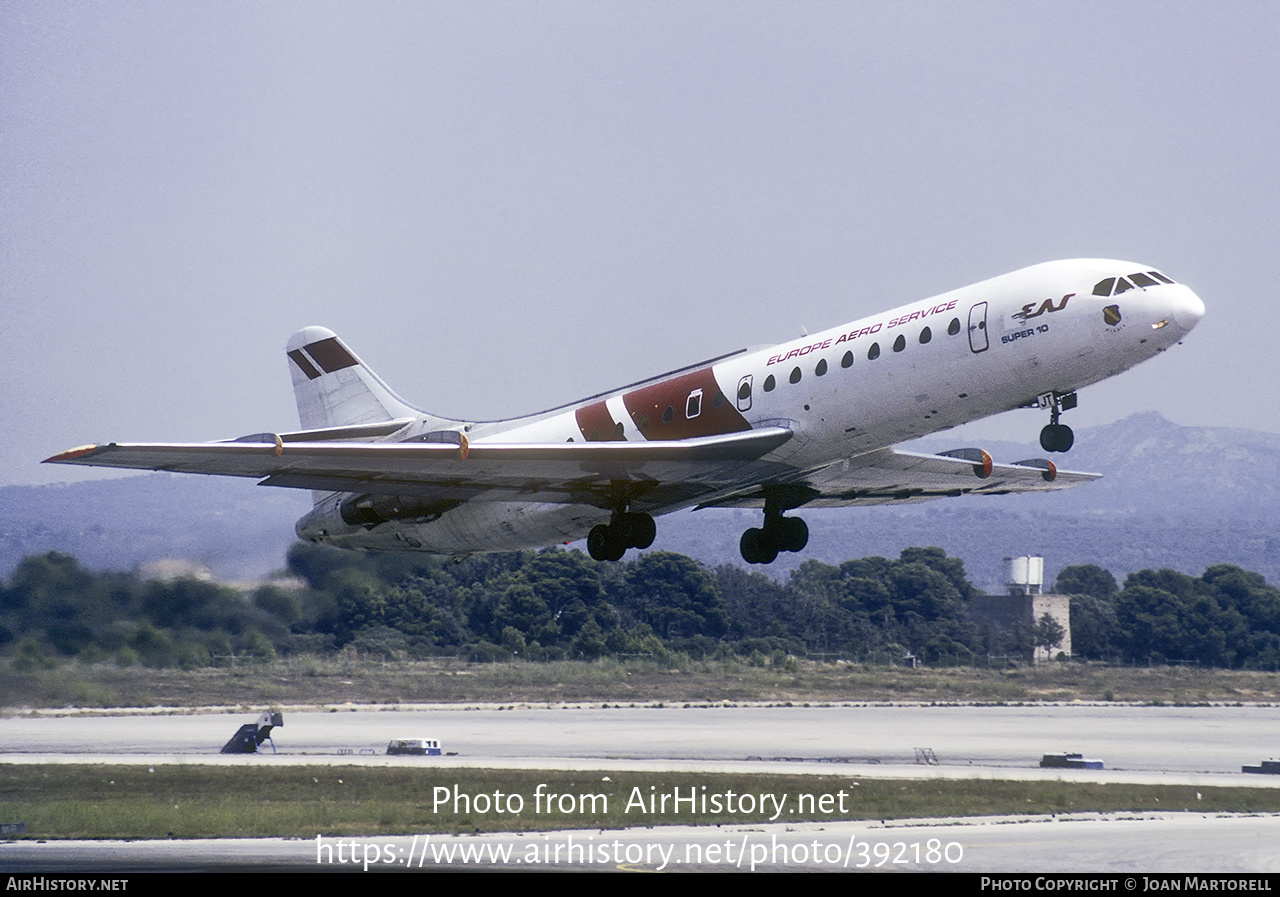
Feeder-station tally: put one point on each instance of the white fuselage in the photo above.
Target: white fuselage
(847, 391)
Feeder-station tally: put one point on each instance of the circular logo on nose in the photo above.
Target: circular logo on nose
(1111, 314)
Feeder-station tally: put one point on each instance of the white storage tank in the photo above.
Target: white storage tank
(1024, 575)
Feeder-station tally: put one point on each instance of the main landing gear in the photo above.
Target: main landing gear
(761, 545)
(1056, 437)
(610, 541)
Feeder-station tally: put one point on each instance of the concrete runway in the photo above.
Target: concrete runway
(1187, 741)
(1191, 745)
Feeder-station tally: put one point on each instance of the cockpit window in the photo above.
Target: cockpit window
(1114, 286)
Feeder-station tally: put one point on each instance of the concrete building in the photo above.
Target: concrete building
(1010, 621)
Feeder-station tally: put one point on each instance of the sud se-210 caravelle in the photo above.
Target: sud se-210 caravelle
(808, 423)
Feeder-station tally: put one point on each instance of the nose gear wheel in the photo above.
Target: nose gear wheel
(1056, 437)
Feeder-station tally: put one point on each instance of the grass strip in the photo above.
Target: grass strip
(307, 681)
(58, 801)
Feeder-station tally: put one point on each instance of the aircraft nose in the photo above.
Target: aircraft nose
(1188, 309)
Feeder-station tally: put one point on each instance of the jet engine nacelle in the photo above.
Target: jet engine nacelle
(340, 515)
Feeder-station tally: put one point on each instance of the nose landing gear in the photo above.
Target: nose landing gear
(1056, 437)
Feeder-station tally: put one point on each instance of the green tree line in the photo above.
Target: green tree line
(560, 604)
(1228, 617)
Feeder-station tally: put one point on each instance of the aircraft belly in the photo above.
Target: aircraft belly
(502, 526)
(485, 526)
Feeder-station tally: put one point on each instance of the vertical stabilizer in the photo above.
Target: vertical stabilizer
(334, 388)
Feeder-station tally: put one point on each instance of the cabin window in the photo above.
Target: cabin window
(874, 352)
(769, 383)
(643, 423)
(718, 400)
(954, 327)
(795, 375)
(925, 336)
(669, 415)
(900, 343)
(847, 361)
(821, 367)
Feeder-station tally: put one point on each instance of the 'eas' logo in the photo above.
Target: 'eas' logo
(1047, 305)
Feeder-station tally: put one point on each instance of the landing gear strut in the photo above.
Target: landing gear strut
(1057, 437)
(761, 545)
(610, 541)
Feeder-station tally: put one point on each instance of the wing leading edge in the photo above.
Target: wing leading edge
(560, 472)
(719, 471)
(890, 476)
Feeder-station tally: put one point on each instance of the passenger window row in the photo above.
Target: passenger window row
(873, 352)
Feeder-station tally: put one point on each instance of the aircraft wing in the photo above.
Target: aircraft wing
(890, 476)
(652, 474)
(718, 471)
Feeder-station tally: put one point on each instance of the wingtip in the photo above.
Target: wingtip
(70, 456)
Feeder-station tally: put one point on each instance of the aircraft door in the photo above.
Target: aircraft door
(978, 327)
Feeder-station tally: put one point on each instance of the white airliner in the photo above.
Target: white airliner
(808, 423)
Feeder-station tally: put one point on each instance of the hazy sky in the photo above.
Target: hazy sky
(506, 206)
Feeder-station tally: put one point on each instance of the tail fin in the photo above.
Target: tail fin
(334, 388)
